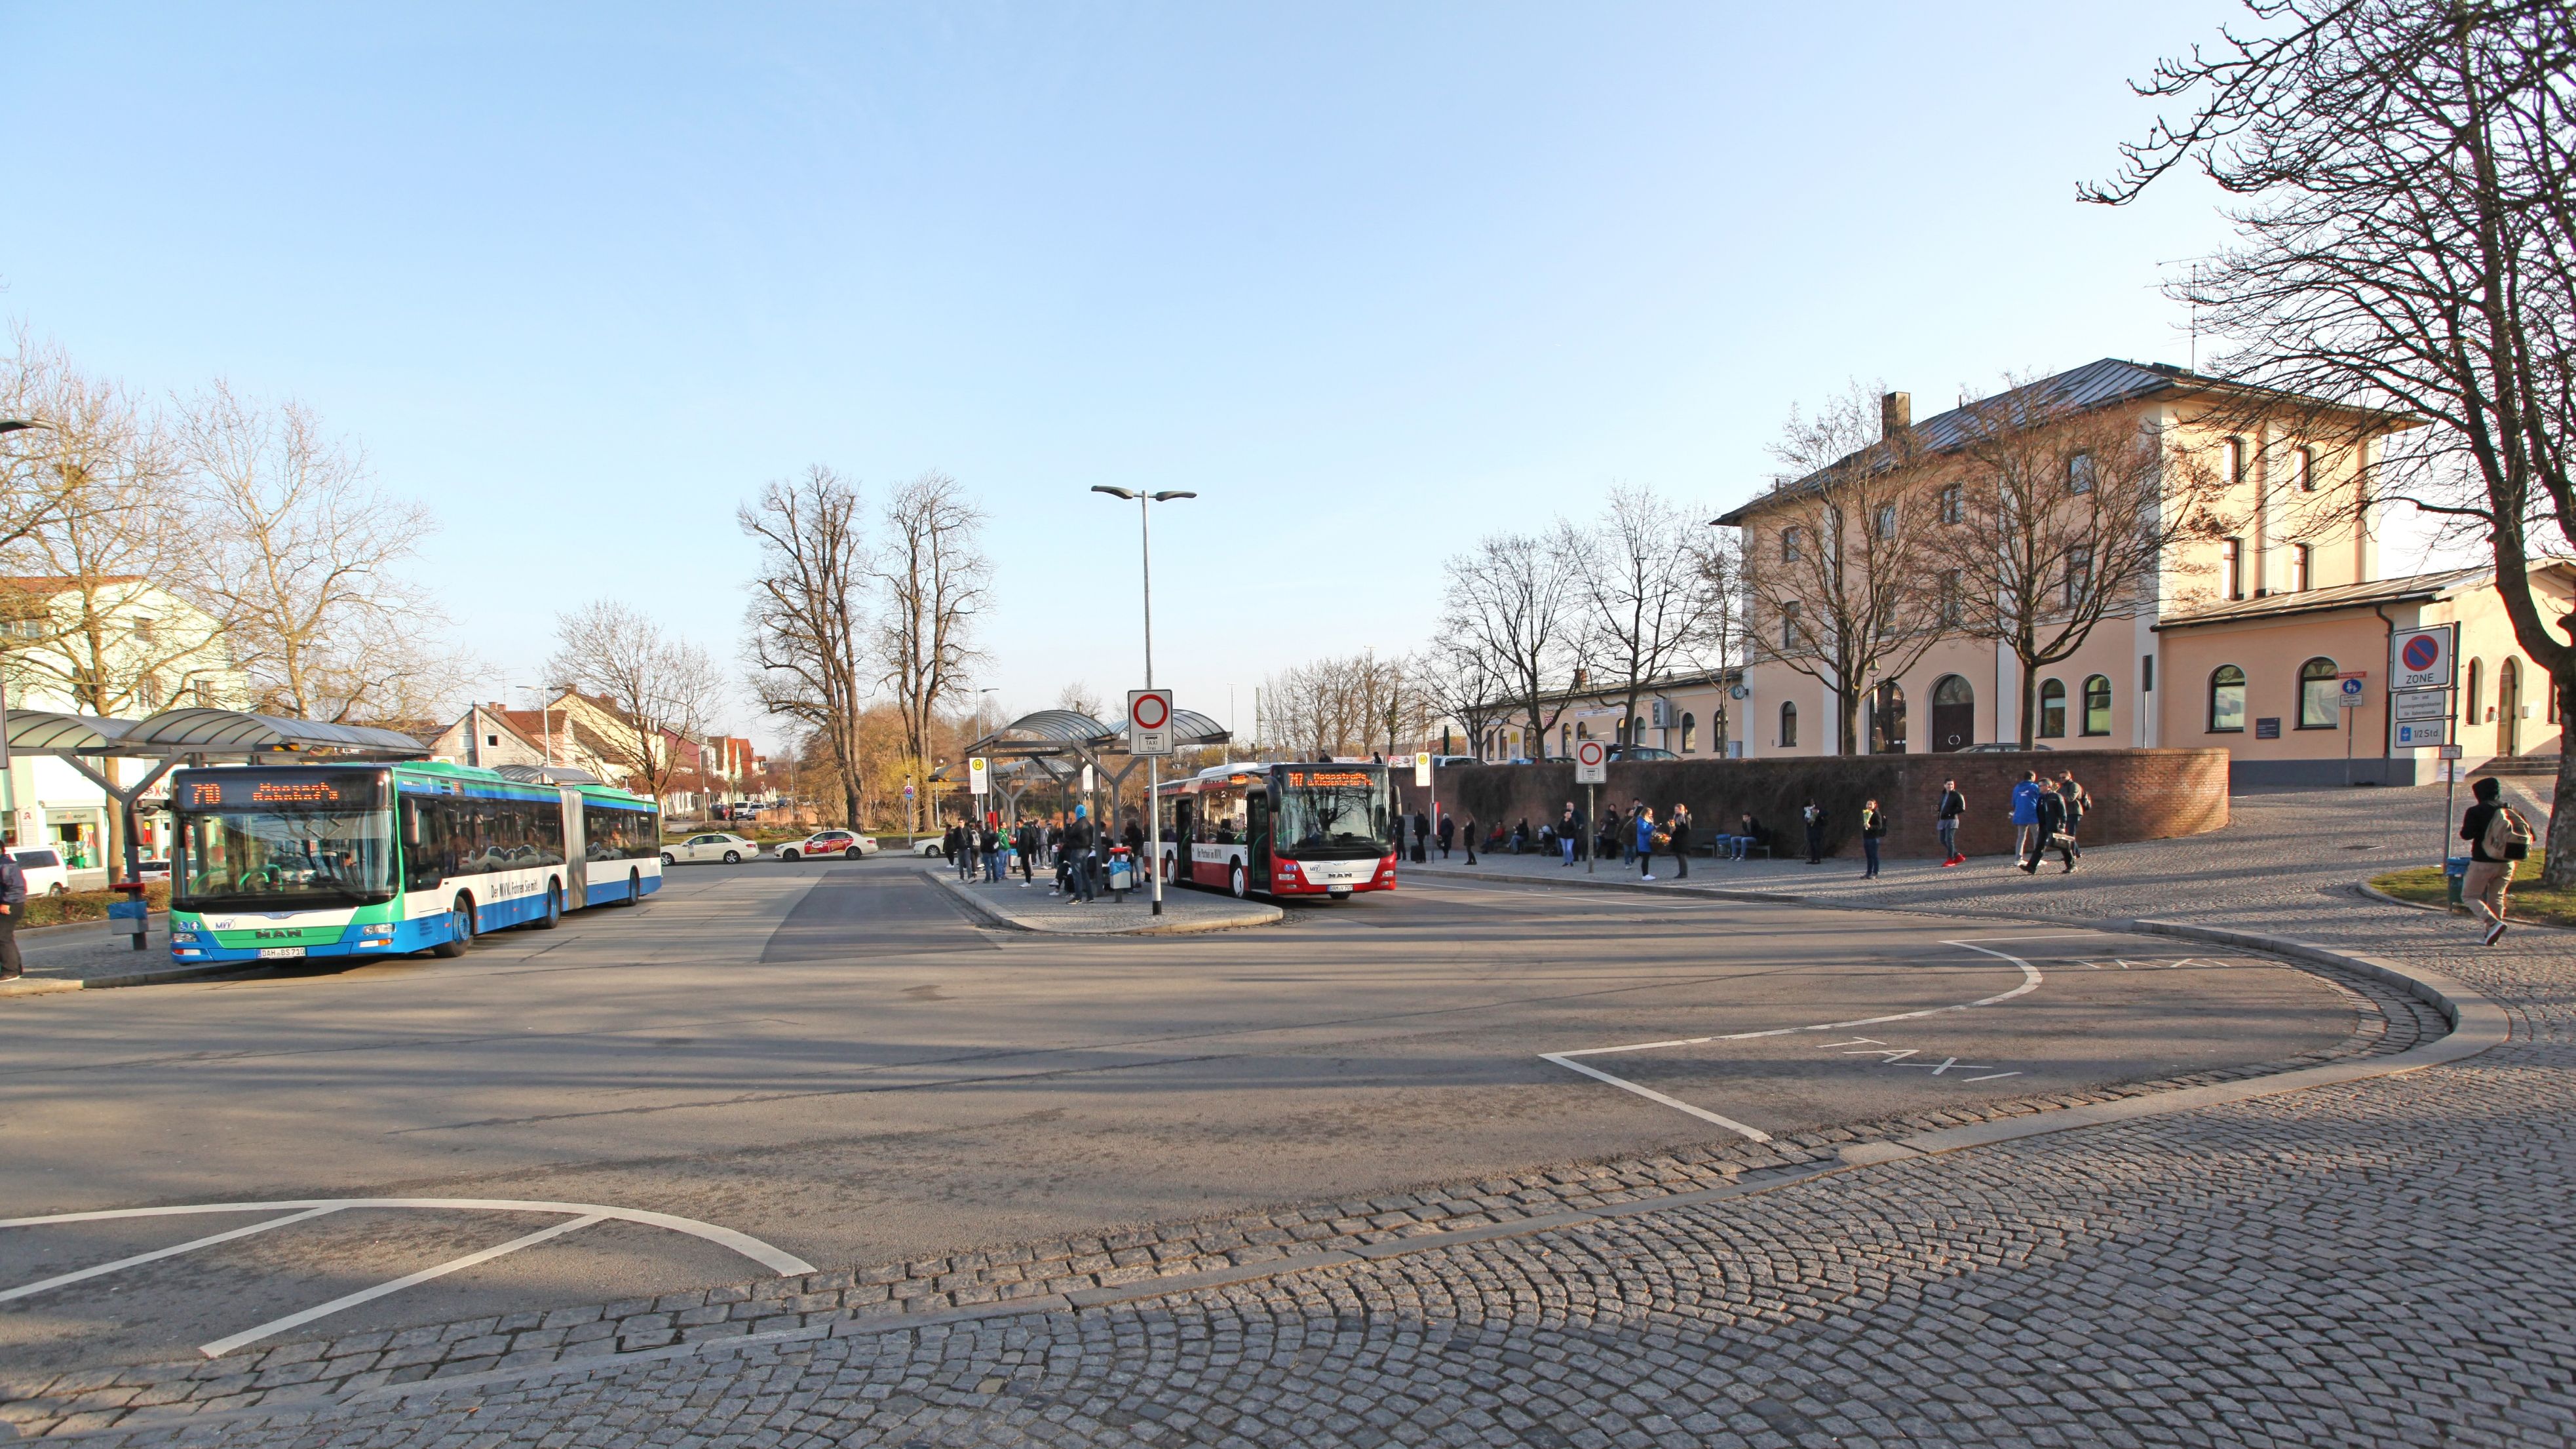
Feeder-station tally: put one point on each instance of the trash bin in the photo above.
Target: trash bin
(1122, 870)
(2455, 874)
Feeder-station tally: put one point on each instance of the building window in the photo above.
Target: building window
(1790, 541)
(2303, 469)
(2052, 709)
(2079, 575)
(1885, 525)
(1953, 510)
(2227, 700)
(143, 630)
(2079, 473)
(2097, 705)
(1887, 719)
(1788, 625)
(493, 740)
(1690, 733)
(1788, 725)
(204, 689)
(2318, 689)
(147, 692)
(2299, 563)
(2476, 694)
(2231, 565)
(2236, 460)
(1954, 607)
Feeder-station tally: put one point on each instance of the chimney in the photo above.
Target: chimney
(1895, 415)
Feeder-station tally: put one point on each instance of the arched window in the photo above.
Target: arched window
(2318, 689)
(1887, 719)
(2097, 705)
(1690, 733)
(2476, 713)
(2052, 708)
(1788, 725)
(2227, 700)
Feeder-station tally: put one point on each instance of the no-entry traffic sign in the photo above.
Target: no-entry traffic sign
(1149, 721)
(1591, 763)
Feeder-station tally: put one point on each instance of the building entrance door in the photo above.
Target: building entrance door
(1954, 714)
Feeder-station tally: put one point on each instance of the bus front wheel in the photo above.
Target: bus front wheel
(1235, 882)
(460, 929)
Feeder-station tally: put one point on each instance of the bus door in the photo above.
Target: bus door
(1256, 861)
(576, 853)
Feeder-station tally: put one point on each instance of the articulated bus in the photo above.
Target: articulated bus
(1298, 829)
(380, 860)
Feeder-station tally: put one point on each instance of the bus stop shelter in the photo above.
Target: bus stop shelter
(1052, 745)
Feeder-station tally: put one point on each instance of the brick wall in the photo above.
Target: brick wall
(2137, 794)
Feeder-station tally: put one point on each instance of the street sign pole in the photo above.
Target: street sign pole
(1591, 769)
(1149, 733)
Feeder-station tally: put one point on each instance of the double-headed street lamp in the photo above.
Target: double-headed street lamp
(1153, 763)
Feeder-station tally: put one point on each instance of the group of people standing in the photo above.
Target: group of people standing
(1072, 845)
(1634, 835)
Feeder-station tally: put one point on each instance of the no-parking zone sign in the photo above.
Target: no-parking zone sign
(2422, 658)
(1591, 763)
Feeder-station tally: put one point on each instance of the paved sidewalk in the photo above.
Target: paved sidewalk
(2378, 1262)
(1035, 907)
(86, 955)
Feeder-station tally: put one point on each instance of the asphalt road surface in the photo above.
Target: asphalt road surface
(831, 1059)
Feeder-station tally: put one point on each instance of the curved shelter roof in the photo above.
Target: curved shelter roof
(1066, 725)
(48, 730)
(223, 731)
(1189, 727)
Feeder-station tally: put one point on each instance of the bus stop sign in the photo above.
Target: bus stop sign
(1591, 763)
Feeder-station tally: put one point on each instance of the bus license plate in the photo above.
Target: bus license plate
(272, 953)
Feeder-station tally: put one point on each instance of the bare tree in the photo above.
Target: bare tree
(1513, 600)
(2053, 518)
(1079, 698)
(1648, 604)
(298, 557)
(1460, 684)
(808, 616)
(39, 386)
(935, 580)
(1836, 579)
(661, 692)
(2406, 242)
(1721, 576)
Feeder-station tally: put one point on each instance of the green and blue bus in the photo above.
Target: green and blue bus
(387, 859)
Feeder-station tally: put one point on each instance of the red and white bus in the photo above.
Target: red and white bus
(1298, 829)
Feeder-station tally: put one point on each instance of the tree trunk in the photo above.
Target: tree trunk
(2558, 872)
(2029, 699)
(1847, 704)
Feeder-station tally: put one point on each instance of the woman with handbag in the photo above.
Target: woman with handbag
(1649, 840)
(2497, 839)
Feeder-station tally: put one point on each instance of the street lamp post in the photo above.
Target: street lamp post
(1153, 763)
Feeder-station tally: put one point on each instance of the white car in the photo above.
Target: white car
(46, 874)
(845, 843)
(731, 849)
(933, 848)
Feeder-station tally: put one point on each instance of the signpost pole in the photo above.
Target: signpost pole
(1591, 822)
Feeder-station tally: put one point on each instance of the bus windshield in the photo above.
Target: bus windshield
(1335, 811)
(284, 857)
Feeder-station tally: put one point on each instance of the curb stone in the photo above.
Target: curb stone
(55, 985)
(1246, 915)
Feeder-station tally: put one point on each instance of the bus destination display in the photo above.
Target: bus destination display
(1328, 779)
(203, 792)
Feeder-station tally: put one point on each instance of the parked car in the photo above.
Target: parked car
(933, 847)
(46, 874)
(1640, 752)
(729, 848)
(848, 844)
(148, 871)
(2002, 747)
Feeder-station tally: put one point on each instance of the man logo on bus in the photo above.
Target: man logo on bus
(2420, 652)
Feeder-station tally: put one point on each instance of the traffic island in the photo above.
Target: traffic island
(1032, 907)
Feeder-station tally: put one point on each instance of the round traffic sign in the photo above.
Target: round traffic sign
(2353, 686)
(1591, 752)
(1153, 711)
(2420, 652)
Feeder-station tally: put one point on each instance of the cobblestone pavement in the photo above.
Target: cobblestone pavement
(2385, 1261)
(68, 958)
(1035, 907)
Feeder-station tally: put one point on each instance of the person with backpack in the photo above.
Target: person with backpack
(1646, 840)
(1953, 806)
(1873, 829)
(989, 845)
(2498, 837)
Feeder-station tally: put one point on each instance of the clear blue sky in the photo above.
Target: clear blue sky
(1372, 279)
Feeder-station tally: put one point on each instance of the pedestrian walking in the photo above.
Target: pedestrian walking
(1647, 839)
(1449, 833)
(1953, 806)
(1677, 830)
(1873, 829)
(1030, 840)
(13, 901)
(1471, 840)
(1569, 831)
(2078, 802)
(2025, 817)
(1814, 816)
(2048, 832)
(2497, 837)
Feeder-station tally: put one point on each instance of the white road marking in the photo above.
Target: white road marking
(2029, 983)
(57, 1281)
(225, 1345)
